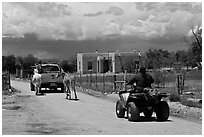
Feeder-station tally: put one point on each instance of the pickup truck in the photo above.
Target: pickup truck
(49, 80)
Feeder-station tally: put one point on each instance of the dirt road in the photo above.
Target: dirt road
(53, 114)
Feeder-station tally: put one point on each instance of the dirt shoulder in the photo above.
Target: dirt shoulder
(12, 112)
(17, 116)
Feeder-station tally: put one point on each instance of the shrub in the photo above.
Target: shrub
(174, 97)
(159, 78)
(190, 103)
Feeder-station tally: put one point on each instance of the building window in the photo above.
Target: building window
(90, 65)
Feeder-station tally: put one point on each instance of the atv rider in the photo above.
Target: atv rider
(142, 80)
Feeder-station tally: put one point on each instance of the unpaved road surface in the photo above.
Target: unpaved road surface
(53, 114)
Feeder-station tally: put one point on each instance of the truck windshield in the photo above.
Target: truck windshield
(50, 69)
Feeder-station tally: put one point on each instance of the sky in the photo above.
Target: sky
(61, 30)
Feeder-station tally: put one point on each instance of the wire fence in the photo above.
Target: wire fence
(105, 83)
(108, 83)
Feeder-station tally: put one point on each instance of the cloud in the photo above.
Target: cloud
(70, 21)
(47, 20)
(12, 36)
(114, 11)
(93, 14)
(169, 6)
(42, 55)
(53, 10)
(111, 28)
(146, 29)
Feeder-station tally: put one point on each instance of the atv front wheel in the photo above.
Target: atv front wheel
(162, 112)
(133, 112)
(120, 111)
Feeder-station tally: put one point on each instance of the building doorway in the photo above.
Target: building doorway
(106, 66)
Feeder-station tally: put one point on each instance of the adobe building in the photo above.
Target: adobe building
(113, 62)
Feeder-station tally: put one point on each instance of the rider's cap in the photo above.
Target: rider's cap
(142, 69)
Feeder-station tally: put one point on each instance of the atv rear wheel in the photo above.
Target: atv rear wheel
(120, 111)
(133, 112)
(162, 112)
(148, 113)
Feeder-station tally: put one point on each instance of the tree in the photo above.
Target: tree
(157, 58)
(19, 62)
(8, 63)
(73, 63)
(64, 64)
(194, 42)
(4, 63)
(69, 65)
(197, 35)
(29, 61)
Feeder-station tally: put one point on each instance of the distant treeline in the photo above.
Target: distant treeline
(154, 59)
(11, 63)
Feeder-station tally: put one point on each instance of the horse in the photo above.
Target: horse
(69, 83)
(36, 80)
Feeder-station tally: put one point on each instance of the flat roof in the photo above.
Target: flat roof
(109, 53)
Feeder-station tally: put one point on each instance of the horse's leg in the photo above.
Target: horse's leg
(74, 89)
(69, 89)
(66, 89)
(66, 92)
(36, 90)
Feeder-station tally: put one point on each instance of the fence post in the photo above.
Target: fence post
(125, 78)
(17, 73)
(183, 83)
(179, 84)
(96, 82)
(80, 78)
(21, 73)
(114, 83)
(87, 79)
(3, 82)
(90, 85)
(104, 83)
(9, 80)
(164, 76)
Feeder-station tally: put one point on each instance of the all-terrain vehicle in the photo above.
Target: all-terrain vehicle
(148, 100)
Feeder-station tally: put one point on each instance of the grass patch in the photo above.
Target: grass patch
(173, 97)
(10, 92)
(184, 100)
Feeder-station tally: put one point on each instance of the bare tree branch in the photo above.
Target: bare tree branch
(195, 35)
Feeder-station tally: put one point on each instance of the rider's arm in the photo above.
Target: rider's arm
(132, 81)
(151, 80)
